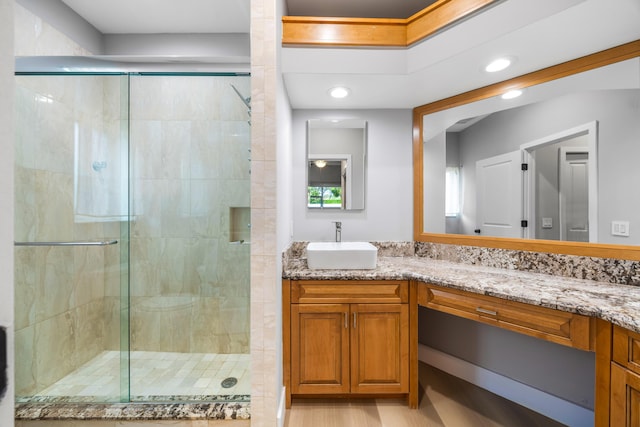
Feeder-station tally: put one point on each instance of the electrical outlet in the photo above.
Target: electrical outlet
(620, 228)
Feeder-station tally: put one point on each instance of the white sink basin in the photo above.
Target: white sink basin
(342, 255)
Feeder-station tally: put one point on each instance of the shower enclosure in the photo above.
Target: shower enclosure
(132, 237)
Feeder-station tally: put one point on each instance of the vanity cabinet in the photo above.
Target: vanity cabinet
(346, 338)
(625, 378)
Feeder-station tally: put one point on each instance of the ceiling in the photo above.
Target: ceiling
(536, 33)
(221, 16)
(155, 17)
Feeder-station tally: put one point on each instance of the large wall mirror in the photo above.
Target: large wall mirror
(336, 162)
(552, 170)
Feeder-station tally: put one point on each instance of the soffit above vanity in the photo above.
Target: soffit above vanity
(451, 61)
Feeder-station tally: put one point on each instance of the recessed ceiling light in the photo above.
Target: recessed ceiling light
(320, 163)
(339, 92)
(498, 65)
(512, 94)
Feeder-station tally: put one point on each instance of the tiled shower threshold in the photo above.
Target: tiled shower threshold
(169, 386)
(134, 411)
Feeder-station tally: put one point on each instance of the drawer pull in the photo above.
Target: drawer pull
(485, 311)
(346, 320)
(354, 320)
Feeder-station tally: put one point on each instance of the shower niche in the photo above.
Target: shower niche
(240, 225)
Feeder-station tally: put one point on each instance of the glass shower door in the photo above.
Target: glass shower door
(132, 237)
(190, 248)
(72, 225)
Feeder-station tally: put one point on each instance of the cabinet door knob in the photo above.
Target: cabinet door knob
(346, 320)
(354, 320)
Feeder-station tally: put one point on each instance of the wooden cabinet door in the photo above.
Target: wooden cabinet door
(320, 348)
(625, 397)
(379, 348)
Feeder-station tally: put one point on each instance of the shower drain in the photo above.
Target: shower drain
(229, 382)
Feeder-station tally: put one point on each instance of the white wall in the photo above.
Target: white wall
(6, 199)
(285, 207)
(388, 213)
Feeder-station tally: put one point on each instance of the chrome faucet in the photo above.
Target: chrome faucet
(338, 230)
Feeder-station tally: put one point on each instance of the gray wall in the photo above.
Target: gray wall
(388, 212)
(434, 161)
(558, 370)
(617, 113)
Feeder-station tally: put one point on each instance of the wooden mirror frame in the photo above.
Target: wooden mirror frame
(620, 53)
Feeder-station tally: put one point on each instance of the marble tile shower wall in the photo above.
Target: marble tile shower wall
(190, 148)
(62, 316)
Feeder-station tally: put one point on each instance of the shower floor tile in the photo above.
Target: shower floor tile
(155, 376)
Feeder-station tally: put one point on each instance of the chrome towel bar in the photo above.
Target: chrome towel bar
(78, 243)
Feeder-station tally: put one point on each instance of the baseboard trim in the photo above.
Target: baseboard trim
(280, 415)
(544, 403)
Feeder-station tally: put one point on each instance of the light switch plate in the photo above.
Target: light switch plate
(547, 222)
(620, 228)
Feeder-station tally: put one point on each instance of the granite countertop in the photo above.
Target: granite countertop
(134, 411)
(616, 303)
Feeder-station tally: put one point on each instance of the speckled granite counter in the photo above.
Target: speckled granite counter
(617, 303)
(238, 410)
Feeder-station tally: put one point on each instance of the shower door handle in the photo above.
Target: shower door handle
(70, 243)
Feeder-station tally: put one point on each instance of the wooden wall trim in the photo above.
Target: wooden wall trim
(343, 31)
(440, 15)
(381, 32)
(585, 63)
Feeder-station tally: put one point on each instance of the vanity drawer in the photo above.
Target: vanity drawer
(626, 348)
(349, 291)
(552, 325)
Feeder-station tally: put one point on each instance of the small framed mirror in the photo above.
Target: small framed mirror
(336, 163)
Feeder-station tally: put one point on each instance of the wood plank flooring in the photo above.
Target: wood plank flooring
(445, 401)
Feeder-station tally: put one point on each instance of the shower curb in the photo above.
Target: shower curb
(134, 411)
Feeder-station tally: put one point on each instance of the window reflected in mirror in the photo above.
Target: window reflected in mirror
(326, 184)
(336, 160)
